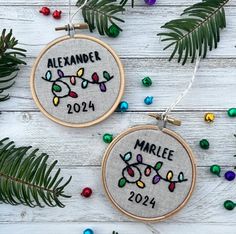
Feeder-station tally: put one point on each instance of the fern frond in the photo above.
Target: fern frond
(101, 14)
(9, 62)
(26, 178)
(199, 32)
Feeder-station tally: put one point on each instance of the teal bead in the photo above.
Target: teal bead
(113, 31)
(148, 100)
(88, 231)
(229, 205)
(232, 112)
(107, 138)
(204, 144)
(146, 81)
(123, 106)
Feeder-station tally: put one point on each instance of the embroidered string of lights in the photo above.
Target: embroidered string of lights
(77, 80)
(149, 171)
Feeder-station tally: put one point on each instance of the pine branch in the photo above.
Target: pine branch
(124, 2)
(28, 179)
(9, 62)
(101, 14)
(197, 33)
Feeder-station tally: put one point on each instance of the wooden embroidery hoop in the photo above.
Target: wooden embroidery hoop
(172, 134)
(93, 122)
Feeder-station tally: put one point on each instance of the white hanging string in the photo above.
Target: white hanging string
(71, 17)
(183, 94)
(179, 98)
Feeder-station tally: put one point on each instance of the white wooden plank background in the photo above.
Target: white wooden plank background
(214, 90)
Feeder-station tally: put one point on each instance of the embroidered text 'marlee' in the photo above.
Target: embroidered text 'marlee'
(159, 151)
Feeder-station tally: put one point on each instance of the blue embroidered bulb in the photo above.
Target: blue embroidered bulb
(148, 100)
(123, 106)
(88, 231)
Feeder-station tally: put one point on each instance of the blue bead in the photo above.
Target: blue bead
(123, 106)
(148, 100)
(229, 175)
(88, 231)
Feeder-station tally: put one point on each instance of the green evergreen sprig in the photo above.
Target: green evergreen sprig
(26, 178)
(197, 33)
(101, 14)
(9, 62)
(124, 2)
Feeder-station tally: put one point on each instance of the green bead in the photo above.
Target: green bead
(113, 31)
(107, 138)
(204, 144)
(232, 112)
(229, 205)
(215, 169)
(146, 81)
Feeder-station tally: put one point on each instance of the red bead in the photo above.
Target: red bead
(57, 14)
(45, 11)
(87, 192)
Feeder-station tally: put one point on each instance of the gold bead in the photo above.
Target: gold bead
(209, 117)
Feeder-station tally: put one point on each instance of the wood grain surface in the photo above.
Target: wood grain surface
(80, 151)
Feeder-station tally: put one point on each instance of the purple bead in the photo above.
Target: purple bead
(150, 2)
(229, 175)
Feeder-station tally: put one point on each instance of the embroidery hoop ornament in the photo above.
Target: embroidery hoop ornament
(126, 176)
(98, 114)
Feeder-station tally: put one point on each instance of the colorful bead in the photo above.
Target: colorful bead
(148, 100)
(229, 175)
(150, 2)
(87, 192)
(215, 169)
(45, 11)
(123, 106)
(232, 112)
(88, 231)
(209, 117)
(204, 144)
(113, 31)
(146, 81)
(107, 138)
(57, 14)
(229, 205)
